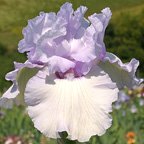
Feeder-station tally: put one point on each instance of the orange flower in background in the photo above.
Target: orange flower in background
(130, 137)
(131, 141)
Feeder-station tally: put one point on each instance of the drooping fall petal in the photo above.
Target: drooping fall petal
(79, 106)
(122, 74)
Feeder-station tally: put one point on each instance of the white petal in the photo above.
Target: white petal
(122, 74)
(79, 106)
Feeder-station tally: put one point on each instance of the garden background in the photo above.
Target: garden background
(124, 37)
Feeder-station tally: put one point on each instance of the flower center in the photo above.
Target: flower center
(69, 74)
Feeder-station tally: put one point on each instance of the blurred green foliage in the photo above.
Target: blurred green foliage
(124, 35)
(124, 121)
(18, 124)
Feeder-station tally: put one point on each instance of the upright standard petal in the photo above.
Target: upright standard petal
(37, 27)
(33, 31)
(122, 74)
(79, 106)
(66, 34)
(99, 23)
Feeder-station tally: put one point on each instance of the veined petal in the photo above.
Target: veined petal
(79, 106)
(122, 74)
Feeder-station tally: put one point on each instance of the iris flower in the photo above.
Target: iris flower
(69, 81)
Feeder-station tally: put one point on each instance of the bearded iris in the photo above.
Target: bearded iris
(69, 81)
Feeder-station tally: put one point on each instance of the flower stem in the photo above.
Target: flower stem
(63, 139)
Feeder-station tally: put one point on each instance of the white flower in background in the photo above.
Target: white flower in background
(69, 80)
(141, 102)
(2, 114)
(123, 97)
(117, 105)
(123, 113)
(133, 109)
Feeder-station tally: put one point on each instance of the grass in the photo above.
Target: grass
(16, 122)
(14, 15)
